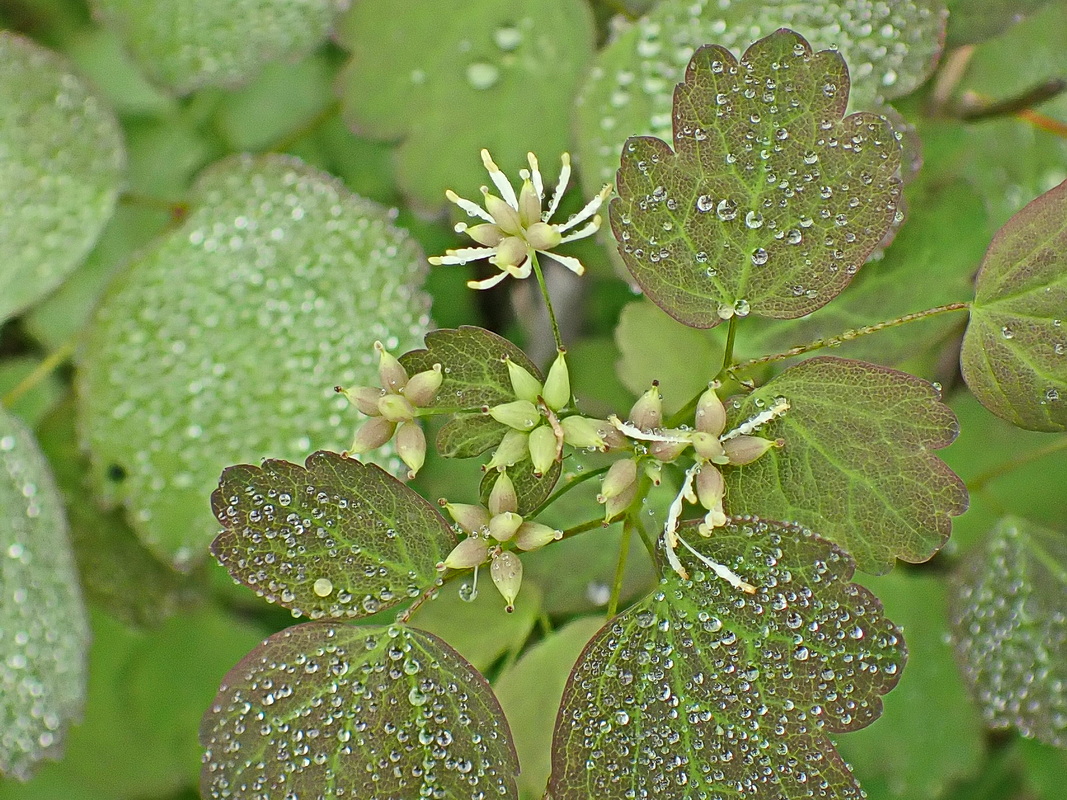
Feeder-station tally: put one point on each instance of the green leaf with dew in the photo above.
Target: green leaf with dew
(770, 200)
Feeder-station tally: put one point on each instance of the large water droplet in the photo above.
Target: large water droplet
(481, 75)
(507, 37)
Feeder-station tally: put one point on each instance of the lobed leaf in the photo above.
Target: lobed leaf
(44, 634)
(1014, 355)
(702, 690)
(770, 201)
(61, 162)
(334, 538)
(857, 463)
(1010, 626)
(379, 713)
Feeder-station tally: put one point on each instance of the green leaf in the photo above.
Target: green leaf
(703, 690)
(1014, 355)
(373, 712)
(769, 202)
(44, 390)
(43, 630)
(223, 342)
(531, 489)
(976, 20)
(194, 43)
(61, 161)
(891, 48)
(1045, 768)
(929, 736)
(858, 460)
(491, 74)
(1007, 611)
(334, 538)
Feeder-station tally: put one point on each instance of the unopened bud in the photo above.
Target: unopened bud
(710, 413)
(503, 526)
(372, 434)
(529, 204)
(557, 391)
(708, 447)
(411, 446)
(512, 449)
(390, 371)
(543, 236)
(668, 451)
(743, 450)
(710, 487)
(620, 477)
(647, 412)
(534, 535)
(365, 398)
(471, 552)
(522, 415)
(654, 470)
(395, 408)
(543, 449)
(503, 497)
(506, 571)
(423, 386)
(619, 503)
(506, 217)
(472, 518)
(525, 385)
(585, 432)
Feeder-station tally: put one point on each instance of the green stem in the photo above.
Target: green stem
(978, 483)
(548, 300)
(847, 336)
(556, 495)
(728, 352)
(39, 373)
(620, 567)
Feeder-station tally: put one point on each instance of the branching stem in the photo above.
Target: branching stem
(620, 566)
(979, 482)
(39, 373)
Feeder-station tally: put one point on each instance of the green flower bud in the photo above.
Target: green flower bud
(708, 447)
(620, 477)
(647, 412)
(544, 449)
(710, 487)
(522, 415)
(503, 526)
(391, 372)
(510, 253)
(525, 385)
(503, 496)
(506, 217)
(472, 518)
(543, 236)
(513, 448)
(585, 432)
(668, 451)
(506, 572)
(395, 408)
(422, 387)
(557, 391)
(710, 413)
(471, 552)
(743, 450)
(534, 535)
(372, 434)
(619, 503)
(364, 398)
(486, 234)
(529, 204)
(411, 446)
(654, 471)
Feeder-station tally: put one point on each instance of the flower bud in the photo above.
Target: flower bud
(710, 413)
(365, 398)
(654, 470)
(522, 415)
(557, 391)
(668, 451)
(509, 253)
(395, 408)
(709, 447)
(411, 446)
(619, 503)
(423, 386)
(710, 487)
(486, 234)
(529, 204)
(620, 477)
(525, 385)
(372, 434)
(534, 535)
(585, 432)
(503, 526)
(743, 450)
(390, 371)
(503, 496)
(647, 412)
(506, 571)
(543, 236)
(513, 448)
(505, 217)
(471, 552)
(543, 449)
(472, 518)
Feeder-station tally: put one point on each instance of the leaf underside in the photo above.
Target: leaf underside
(376, 713)
(703, 691)
(287, 529)
(770, 200)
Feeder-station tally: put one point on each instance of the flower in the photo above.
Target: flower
(515, 227)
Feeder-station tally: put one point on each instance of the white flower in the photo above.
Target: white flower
(515, 226)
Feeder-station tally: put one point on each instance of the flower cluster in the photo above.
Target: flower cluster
(515, 227)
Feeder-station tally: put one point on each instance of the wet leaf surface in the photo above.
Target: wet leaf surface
(379, 713)
(858, 461)
(700, 688)
(1015, 349)
(770, 200)
(334, 538)
(1009, 620)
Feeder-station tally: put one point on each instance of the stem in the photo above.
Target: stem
(978, 483)
(848, 336)
(548, 300)
(728, 352)
(405, 615)
(588, 525)
(306, 129)
(620, 567)
(566, 488)
(39, 373)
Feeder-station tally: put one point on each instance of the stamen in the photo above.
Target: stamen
(463, 256)
(535, 176)
(721, 570)
(754, 423)
(590, 209)
(561, 186)
(488, 283)
(636, 433)
(472, 209)
(588, 230)
(674, 513)
(570, 262)
(500, 181)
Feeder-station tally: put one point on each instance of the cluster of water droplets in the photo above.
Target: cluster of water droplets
(322, 711)
(705, 691)
(485, 67)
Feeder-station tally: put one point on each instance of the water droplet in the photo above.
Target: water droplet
(323, 587)
(507, 37)
(481, 75)
(705, 203)
(759, 256)
(754, 219)
(1007, 332)
(726, 210)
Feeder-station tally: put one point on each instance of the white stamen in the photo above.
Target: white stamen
(721, 570)
(535, 175)
(590, 209)
(488, 283)
(570, 262)
(674, 513)
(561, 186)
(473, 209)
(636, 433)
(754, 423)
(588, 230)
(500, 181)
(463, 256)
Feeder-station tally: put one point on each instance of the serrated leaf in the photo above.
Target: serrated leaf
(474, 68)
(891, 48)
(1014, 355)
(334, 538)
(1008, 617)
(701, 689)
(532, 490)
(61, 161)
(43, 631)
(223, 343)
(770, 201)
(396, 713)
(189, 44)
(858, 460)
